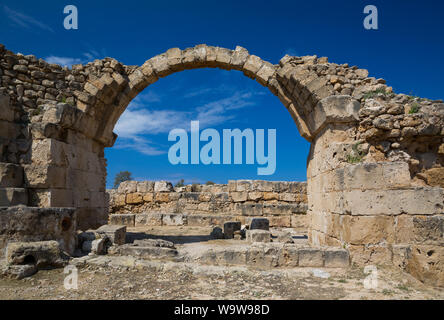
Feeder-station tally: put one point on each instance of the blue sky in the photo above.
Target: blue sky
(406, 50)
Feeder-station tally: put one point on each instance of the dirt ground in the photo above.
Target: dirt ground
(125, 277)
(207, 282)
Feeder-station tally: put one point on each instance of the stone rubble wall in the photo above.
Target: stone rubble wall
(283, 203)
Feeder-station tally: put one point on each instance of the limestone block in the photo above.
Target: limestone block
(13, 197)
(148, 219)
(174, 219)
(217, 233)
(160, 65)
(419, 229)
(230, 227)
(255, 196)
(37, 224)
(265, 73)
(299, 222)
(122, 219)
(6, 110)
(367, 229)
(42, 254)
(239, 196)
(11, 175)
(281, 222)
(271, 196)
(41, 176)
(97, 246)
(163, 186)
(244, 185)
(127, 187)
(281, 208)
(134, 198)
(51, 198)
(283, 237)
(416, 201)
(223, 58)
(249, 209)
(162, 197)
(334, 109)
(425, 264)
(148, 197)
(382, 175)
(147, 71)
(202, 220)
(288, 197)
(239, 57)
(258, 235)
(260, 223)
(140, 78)
(115, 233)
(145, 186)
(266, 186)
(311, 257)
(252, 66)
(336, 258)
(174, 56)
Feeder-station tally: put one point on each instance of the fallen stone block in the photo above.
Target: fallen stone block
(258, 235)
(115, 233)
(154, 243)
(260, 223)
(19, 272)
(42, 254)
(147, 252)
(230, 227)
(217, 233)
(97, 246)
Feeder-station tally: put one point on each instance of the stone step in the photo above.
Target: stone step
(147, 249)
(270, 255)
(11, 175)
(13, 197)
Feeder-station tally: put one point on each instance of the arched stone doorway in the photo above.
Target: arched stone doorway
(374, 172)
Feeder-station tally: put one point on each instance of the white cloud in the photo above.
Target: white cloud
(68, 61)
(63, 61)
(24, 20)
(139, 144)
(292, 52)
(136, 122)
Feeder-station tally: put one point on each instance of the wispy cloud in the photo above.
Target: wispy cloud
(63, 61)
(136, 122)
(69, 61)
(291, 52)
(25, 21)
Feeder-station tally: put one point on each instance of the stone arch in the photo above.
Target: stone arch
(375, 172)
(110, 94)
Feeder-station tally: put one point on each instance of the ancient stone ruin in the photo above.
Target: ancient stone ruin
(375, 174)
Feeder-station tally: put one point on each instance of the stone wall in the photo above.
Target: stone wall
(159, 203)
